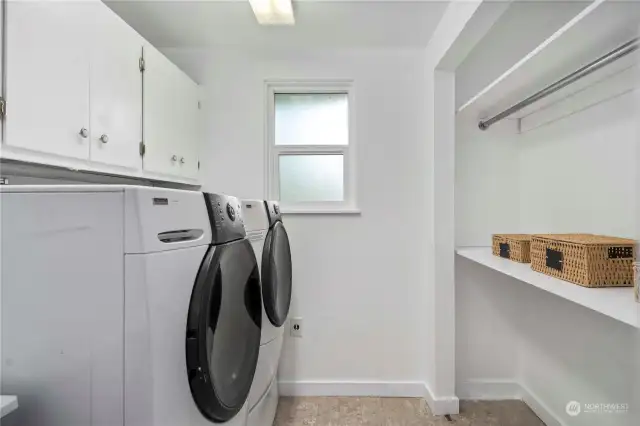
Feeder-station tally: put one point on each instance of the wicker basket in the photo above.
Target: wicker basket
(512, 246)
(585, 259)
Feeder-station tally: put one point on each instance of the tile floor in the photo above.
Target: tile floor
(338, 411)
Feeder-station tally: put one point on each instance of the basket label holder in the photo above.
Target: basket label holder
(505, 251)
(616, 252)
(554, 259)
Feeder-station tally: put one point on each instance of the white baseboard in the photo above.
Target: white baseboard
(441, 405)
(541, 409)
(359, 388)
(487, 390)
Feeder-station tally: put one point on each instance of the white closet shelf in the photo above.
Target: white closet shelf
(597, 29)
(8, 403)
(617, 303)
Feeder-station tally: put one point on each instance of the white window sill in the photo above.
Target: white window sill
(345, 210)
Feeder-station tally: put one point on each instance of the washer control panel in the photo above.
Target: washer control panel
(225, 216)
(273, 210)
(231, 212)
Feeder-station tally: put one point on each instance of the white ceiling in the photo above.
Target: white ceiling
(319, 24)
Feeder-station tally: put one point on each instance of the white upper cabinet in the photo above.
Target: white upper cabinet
(171, 127)
(75, 95)
(116, 92)
(2, 23)
(47, 66)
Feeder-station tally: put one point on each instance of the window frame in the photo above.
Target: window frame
(273, 151)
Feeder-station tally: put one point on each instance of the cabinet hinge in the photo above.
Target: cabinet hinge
(141, 64)
(143, 149)
(3, 107)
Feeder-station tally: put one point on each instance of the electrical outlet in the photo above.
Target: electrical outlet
(295, 325)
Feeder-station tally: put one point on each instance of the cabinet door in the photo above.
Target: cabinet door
(171, 117)
(2, 61)
(48, 76)
(188, 115)
(116, 92)
(162, 91)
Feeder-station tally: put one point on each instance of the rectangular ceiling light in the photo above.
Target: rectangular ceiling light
(273, 12)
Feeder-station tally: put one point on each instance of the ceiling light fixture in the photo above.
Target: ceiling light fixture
(273, 12)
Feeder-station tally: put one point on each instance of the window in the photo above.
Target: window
(310, 147)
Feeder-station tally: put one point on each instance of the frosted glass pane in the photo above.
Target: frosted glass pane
(305, 178)
(311, 119)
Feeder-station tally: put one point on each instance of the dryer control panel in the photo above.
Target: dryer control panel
(273, 210)
(225, 216)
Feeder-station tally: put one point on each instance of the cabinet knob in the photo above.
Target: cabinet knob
(174, 158)
(84, 133)
(181, 160)
(104, 138)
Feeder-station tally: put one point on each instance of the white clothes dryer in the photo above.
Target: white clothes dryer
(271, 245)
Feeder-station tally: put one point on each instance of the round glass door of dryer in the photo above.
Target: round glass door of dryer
(276, 274)
(223, 330)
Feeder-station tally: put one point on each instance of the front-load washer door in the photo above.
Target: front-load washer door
(276, 274)
(223, 330)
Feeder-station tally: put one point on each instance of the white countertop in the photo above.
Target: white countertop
(615, 302)
(8, 403)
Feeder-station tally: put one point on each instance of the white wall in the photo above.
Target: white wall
(575, 174)
(635, 373)
(359, 280)
(487, 180)
(578, 173)
(569, 353)
(487, 332)
(487, 202)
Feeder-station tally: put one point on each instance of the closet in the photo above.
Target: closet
(562, 161)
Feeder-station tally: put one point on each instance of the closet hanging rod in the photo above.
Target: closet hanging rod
(602, 61)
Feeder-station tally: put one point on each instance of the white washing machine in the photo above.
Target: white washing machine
(271, 245)
(118, 310)
(193, 333)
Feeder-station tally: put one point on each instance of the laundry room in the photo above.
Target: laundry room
(320, 212)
